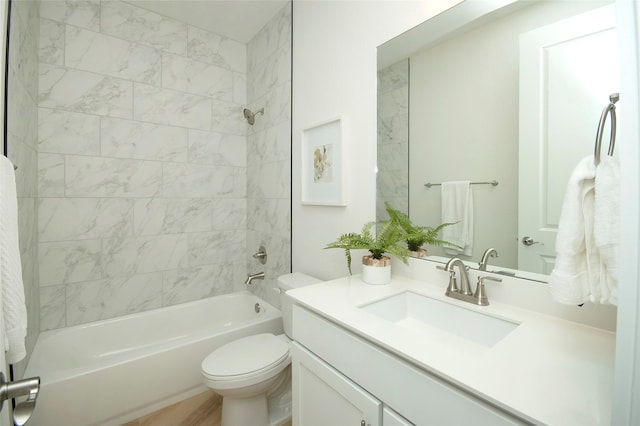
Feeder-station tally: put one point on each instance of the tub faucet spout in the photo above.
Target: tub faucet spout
(251, 277)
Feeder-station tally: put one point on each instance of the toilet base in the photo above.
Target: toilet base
(279, 400)
(272, 408)
(251, 411)
(254, 411)
(279, 416)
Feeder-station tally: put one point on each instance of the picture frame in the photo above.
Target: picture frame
(323, 164)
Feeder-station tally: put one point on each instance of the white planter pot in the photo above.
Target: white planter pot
(418, 254)
(376, 271)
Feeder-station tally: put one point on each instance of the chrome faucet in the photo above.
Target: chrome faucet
(465, 288)
(464, 292)
(490, 252)
(251, 277)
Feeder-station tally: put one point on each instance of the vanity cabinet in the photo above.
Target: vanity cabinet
(324, 397)
(340, 378)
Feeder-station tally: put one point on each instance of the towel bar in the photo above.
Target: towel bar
(492, 183)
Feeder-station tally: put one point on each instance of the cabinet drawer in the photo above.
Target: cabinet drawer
(417, 395)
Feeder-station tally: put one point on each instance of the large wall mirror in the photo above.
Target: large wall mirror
(486, 92)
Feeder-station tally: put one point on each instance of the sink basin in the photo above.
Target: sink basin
(415, 311)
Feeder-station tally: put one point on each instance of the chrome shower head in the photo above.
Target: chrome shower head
(251, 116)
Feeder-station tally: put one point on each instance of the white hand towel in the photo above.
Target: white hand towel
(457, 206)
(575, 277)
(13, 303)
(607, 226)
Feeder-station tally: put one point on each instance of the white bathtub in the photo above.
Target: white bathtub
(112, 371)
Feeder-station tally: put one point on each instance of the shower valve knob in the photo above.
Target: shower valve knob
(261, 255)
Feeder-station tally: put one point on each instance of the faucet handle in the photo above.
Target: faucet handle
(453, 283)
(480, 295)
(481, 280)
(261, 255)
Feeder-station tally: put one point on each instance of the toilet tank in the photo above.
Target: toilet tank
(288, 282)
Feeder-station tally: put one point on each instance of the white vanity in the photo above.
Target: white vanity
(403, 354)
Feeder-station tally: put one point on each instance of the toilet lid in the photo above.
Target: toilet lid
(246, 355)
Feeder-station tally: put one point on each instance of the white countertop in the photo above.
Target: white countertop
(548, 370)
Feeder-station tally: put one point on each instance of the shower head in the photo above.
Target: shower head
(251, 116)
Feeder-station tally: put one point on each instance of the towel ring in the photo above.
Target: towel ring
(608, 110)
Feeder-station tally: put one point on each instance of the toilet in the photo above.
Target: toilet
(253, 374)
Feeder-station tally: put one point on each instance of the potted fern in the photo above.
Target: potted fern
(417, 236)
(376, 266)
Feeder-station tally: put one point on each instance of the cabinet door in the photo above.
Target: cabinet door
(322, 396)
(391, 418)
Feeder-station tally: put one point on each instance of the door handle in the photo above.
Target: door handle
(528, 241)
(9, 390)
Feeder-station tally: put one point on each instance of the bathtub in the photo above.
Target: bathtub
(113, 371)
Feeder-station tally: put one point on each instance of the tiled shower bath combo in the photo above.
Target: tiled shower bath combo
(140, 183)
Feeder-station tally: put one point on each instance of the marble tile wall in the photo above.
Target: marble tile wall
(269, 152)
(142, 160)
(393, 138)
(22, 113)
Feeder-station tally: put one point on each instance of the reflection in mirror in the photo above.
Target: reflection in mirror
(459, 101)
(393, 138)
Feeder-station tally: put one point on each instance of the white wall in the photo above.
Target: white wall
(334, 74)
(626, 410)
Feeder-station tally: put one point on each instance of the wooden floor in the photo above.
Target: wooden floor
(201, 410)
(204, 409)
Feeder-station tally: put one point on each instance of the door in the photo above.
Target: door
(322, 396)
(5, 413)
(559, 116)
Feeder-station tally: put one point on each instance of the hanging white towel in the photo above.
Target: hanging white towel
(457, 208)
(576, 275)
(607, 226)
(13, 303)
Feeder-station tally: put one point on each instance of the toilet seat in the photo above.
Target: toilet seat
(246, 361)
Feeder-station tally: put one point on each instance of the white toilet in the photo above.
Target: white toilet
(252, 374)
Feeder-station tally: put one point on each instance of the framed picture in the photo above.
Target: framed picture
(323, 165)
